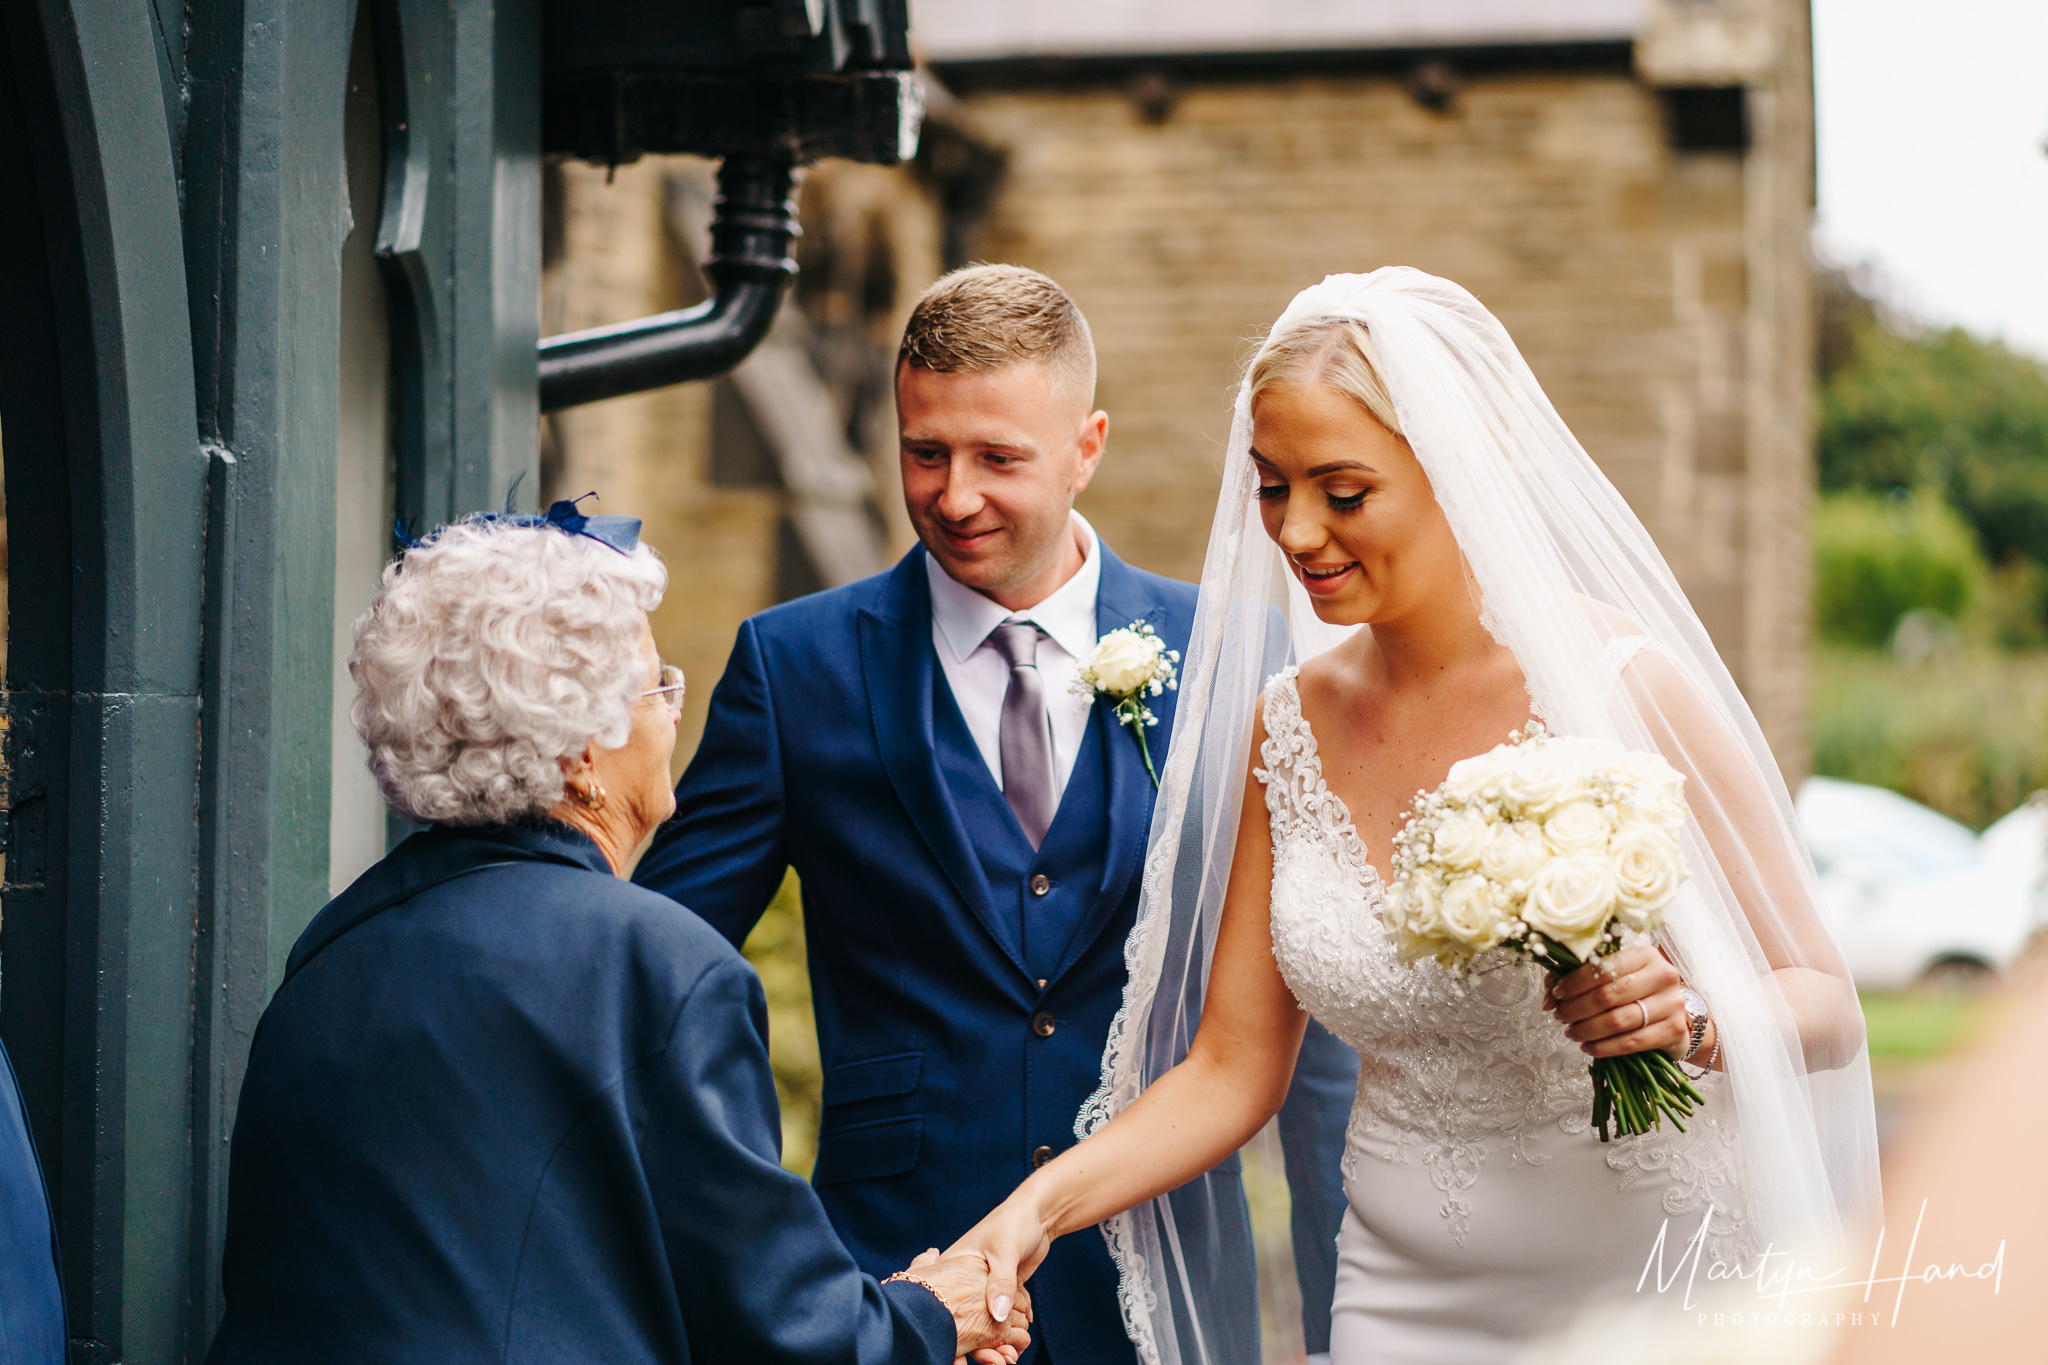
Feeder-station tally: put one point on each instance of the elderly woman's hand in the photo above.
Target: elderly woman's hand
(962, 1285)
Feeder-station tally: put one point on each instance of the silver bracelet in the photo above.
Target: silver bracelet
(1706, 1067)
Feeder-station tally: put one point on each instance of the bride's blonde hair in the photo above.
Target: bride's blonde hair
(1333, 351)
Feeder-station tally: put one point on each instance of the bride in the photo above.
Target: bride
(1411, 478)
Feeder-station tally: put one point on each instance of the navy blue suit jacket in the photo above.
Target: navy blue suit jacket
(506, 1107)
(821, 753)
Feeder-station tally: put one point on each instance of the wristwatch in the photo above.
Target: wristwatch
(1696, 1020)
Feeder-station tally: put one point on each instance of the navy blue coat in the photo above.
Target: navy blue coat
(506, 1107)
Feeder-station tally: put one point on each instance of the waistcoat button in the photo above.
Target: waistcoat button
(1040, 1157)
(1041, 1024)
(1040, 884)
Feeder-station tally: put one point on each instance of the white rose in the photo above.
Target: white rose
(1597, 753)
(1472, 913)
(1513, 853)
(1651, 773)
(1469, 777)
(1125, 661)
(1412, 913)
(1647, 871)
(1541, 775)
(1570, 900)
(1652, 809)
(1408, 902)
(1460, 839)
(1576, 827)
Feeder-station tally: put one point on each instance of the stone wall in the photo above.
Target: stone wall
(624, 244)
(1659, 294)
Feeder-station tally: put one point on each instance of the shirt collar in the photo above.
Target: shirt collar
(965, 618)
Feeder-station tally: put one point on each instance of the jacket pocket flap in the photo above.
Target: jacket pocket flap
(876, 1079)
(865, 1151)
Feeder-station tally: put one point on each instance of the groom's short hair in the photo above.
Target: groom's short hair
(983, 317)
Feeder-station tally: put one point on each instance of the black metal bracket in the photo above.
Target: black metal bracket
(752, 227)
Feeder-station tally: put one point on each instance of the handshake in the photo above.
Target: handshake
(961, 1282)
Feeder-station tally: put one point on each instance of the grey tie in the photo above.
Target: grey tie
(1026, 737)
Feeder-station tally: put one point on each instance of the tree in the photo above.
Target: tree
(1946, 411)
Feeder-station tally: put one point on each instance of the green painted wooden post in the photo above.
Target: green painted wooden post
(172, 204)
(97, 932)
(266, 211)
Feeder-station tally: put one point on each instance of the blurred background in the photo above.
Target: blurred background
(1780, 266)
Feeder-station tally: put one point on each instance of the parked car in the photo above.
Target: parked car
(1915, 898)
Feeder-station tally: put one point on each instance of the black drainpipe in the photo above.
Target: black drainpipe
(752, 226)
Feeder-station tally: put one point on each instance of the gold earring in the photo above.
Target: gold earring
(593, 799)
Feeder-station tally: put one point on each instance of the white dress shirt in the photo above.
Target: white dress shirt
(962, 621)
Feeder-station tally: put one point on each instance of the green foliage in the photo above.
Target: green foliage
(1879, 557)
(1948, 411)
(1919, 1025)
(1967, 735)
(776, 948)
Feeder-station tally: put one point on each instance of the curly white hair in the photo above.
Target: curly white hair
(491, 653)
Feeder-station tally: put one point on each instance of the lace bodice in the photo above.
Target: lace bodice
(1462, 1071)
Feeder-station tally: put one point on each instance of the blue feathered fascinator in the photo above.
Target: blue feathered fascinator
(620, 533)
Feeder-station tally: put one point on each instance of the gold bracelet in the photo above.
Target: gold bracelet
(914, 1278)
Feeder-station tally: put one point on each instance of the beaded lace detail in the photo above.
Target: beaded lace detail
(1459, 1071)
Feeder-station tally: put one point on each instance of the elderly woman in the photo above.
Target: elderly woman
(505, 1105)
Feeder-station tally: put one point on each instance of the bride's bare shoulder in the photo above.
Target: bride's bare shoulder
(1326, 679)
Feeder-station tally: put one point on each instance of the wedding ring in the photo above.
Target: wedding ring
(1645, 1008)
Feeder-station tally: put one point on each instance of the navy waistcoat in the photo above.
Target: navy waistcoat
(1072, 859)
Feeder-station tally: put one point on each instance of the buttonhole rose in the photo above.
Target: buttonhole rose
(1125, 661)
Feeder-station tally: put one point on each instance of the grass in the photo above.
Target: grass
(1965, 733)
(1919, 1026)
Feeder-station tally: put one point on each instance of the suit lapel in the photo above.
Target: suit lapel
(900, 674)
(1121, 600)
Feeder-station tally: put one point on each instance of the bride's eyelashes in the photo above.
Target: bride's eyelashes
(1346, 502)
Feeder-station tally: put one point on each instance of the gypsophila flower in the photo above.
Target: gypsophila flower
(1551, 849)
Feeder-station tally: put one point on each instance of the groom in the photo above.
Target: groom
(969, 833)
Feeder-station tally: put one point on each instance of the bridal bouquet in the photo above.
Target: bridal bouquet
(1549, 848)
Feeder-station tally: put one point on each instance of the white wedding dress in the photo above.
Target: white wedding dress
(1482, 1204)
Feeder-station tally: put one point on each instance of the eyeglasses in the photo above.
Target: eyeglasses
(671, 689)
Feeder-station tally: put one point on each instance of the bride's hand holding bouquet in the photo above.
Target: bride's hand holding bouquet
(1555, 850)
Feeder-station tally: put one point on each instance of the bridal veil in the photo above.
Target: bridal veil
(1570, 581)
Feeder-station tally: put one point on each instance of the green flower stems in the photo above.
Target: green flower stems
(1134, 713)
(1635, 1092)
